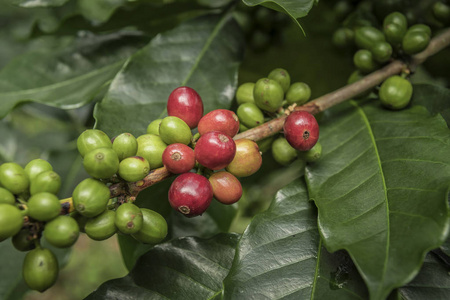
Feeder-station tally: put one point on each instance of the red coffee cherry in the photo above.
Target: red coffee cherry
(227, 189)
(222, 120)
(178, 158)
(215, 150)
(190, 194)
(301, 130)
(186, 104)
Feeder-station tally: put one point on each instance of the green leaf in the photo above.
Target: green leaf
(381, 189)
(185, 268)
(68, 73)
(99, 10)
(280, 256)
(203, 53)
(435, 98)
(39, 3)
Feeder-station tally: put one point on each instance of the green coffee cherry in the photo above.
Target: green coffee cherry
(125, 145)
(366, 37)
(134, 168)
(151, 147)
(102, 226)
(153, 127)
(282, 152)
(442, 12)
(394, 34)
(363, 60)
(92, 139)
(415, 42)
(311, 155)
(174, 130)
(11, 221)
(282, 77)
(37, 166)
(129, 218)
(268, 94)
(298, 92)
(395, 92)
(90, 197)
(62, 232)
(154, 227)
(48, 181)
(6, 197)
(13, 178)
(22, 241)
(250, 115)
(420, 28)
(40, 269)
(381, 52)
(396, 18)
(244, 93)
(101, 163)
(44, 206)
(343, 37)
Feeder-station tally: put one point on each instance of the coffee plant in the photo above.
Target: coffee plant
(236, 149)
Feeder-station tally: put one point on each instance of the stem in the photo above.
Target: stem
(315, 106)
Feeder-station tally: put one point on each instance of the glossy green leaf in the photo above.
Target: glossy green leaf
(203, 53)
(185, 268)
(381, 189)
(39, 3)
(280, 256)
(68, 72)
(438, 103)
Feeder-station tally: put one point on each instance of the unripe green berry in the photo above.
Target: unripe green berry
(298, 92)
(153, 127)
(101, 163)
(134, 168)
(37, 166)
(92, 139)
(151, 147)
(366, 37)
(125, 145)
(343, 37)
(102, 226)
(48, 181)
(154, 227)
(268, 94)
(282, 77)
(44, 206)
(13, 178)
(363, 60)
(6, 197)
(129, 218)
(174, 130)
(415, 41)
(90, 197)
(62, 232)
(420, 28)
(395, 92)
(22, 241)
(40, 269)
(381, 52)
(250, 115)
(312, 154)
(282, 152)
(244, 93)
(442, 12)
(394, 34)
(11, 221)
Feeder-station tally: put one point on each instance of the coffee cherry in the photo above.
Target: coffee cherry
(394, 34)
(367, 36)
(154, 228)
(222, 120)
(90, 197)
(227, 189)
(311, 155)
(6, 197)
(44, 206)
(101, 163)
(381, 52)
(92, 139)
(128, 218)
(175, 130)
(415, 41)
(364, 61)
(178, 158)
(298, 92)
(268, 94)
(13, 178)
(282, 77)
(396, 18)
(250, 115)
(343, 37)
(22, 241)
(395, 92)
(186, 104)
(134, 168)
(420, 28)
(153, 127)
(151, 147)
(442, 12)
(247, 160)
(62, 232)
(301, 130)
(282, 152)
(190, 194)
(48, 181)
(215, 150)
(37, 166)
(11, 221)
(102, 226)
(40, 269)
(244, 93)
(125, 145)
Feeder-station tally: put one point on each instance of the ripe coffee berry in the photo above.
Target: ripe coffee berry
(178, 158)
(186, 104)
(301, 130)
(222, 120)
(215, 150)
(227, 189)
(190, 194)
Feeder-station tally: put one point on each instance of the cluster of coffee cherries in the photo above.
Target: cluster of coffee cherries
(276, 95)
